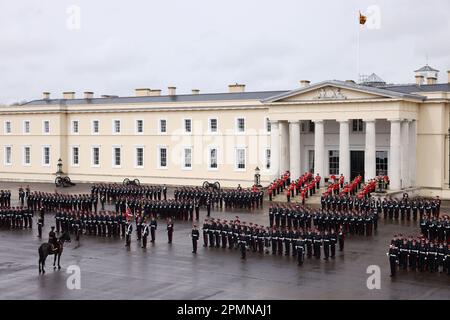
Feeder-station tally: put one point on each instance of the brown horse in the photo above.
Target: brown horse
(47, 249)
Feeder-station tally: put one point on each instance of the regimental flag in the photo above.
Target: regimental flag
(362, 19)
(128, 214)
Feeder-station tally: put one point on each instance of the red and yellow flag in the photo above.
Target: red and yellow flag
(362, 19)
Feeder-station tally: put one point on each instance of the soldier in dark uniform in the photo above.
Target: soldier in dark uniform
(145, 233)
(195, 234)
(326, 245)
(128, 233)
(242, 244)
(300, 247)
(393, 254)
(317, 241)
(169, 230)
(153, 227)
(40, 225)
(205, 232)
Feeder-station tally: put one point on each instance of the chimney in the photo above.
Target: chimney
(448, 76)
(172, 91)
(46, 95)
(419, 80)
(431, 80)
(142, 92)
(69, 95)
(304, 83)
(88, 95)
(197, 91)
(155, 92)
(234, 88)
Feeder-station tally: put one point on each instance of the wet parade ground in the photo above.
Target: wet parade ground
(109, 270)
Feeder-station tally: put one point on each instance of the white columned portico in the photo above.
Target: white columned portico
(394, 162)
(405, 154)
(284, 138)
(344, 149)
(319, 147)
(274, 149)
(294, 150)
(412, 152)
(370, 150)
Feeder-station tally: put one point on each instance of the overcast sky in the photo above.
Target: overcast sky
(208, 44)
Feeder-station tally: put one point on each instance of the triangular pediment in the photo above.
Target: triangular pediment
(335, 91)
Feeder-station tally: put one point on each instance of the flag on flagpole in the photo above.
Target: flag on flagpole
(362, 19)
(128, 213)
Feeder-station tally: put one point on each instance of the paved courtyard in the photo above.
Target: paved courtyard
(164, 271)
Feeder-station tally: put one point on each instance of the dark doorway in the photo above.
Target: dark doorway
(356, 164)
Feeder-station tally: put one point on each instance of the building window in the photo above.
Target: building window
(268, 158)
(8, 155)
(187, 158)
(75, 156)
(381, 163)
(26, 126)
(46, 127)
(268, 126)
(311, 126)
(139, 157)
(116, 126)
(117, 156)
(75, 126)
(95, 156)
(46, 156)
(27, 156)
(95, 126)
(187, 125)
(213, 158)
(333, 161)
(240, 125)
(212, 125)
(311, 161)
(357, 125)
(240, 158)
(8, 127)
(162, 125)
(139, 126)
(162, 155)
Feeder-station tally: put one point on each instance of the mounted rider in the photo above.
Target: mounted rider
(53, 240)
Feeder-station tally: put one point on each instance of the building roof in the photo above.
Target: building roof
(426, 68)
(260, 95)
(412, 88)
(348, 85)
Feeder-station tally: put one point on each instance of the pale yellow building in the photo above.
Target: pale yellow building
(330, 127)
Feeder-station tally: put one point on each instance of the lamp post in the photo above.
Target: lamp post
(59, 166)
(449, 157)
(257, 177)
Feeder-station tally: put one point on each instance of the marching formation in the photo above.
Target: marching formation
(259, 239)
(404, 208)
(356, 221)
(418, 254)
(250, 198)
(112, 191)
(16, 218)
(436, 229)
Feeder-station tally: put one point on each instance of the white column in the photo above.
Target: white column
(394, 155)
(404, 169)
(319, 147)
(294, 150)
(284, 158)
(344, 149)
(274, 149)
(370, 151)
(412, 152)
